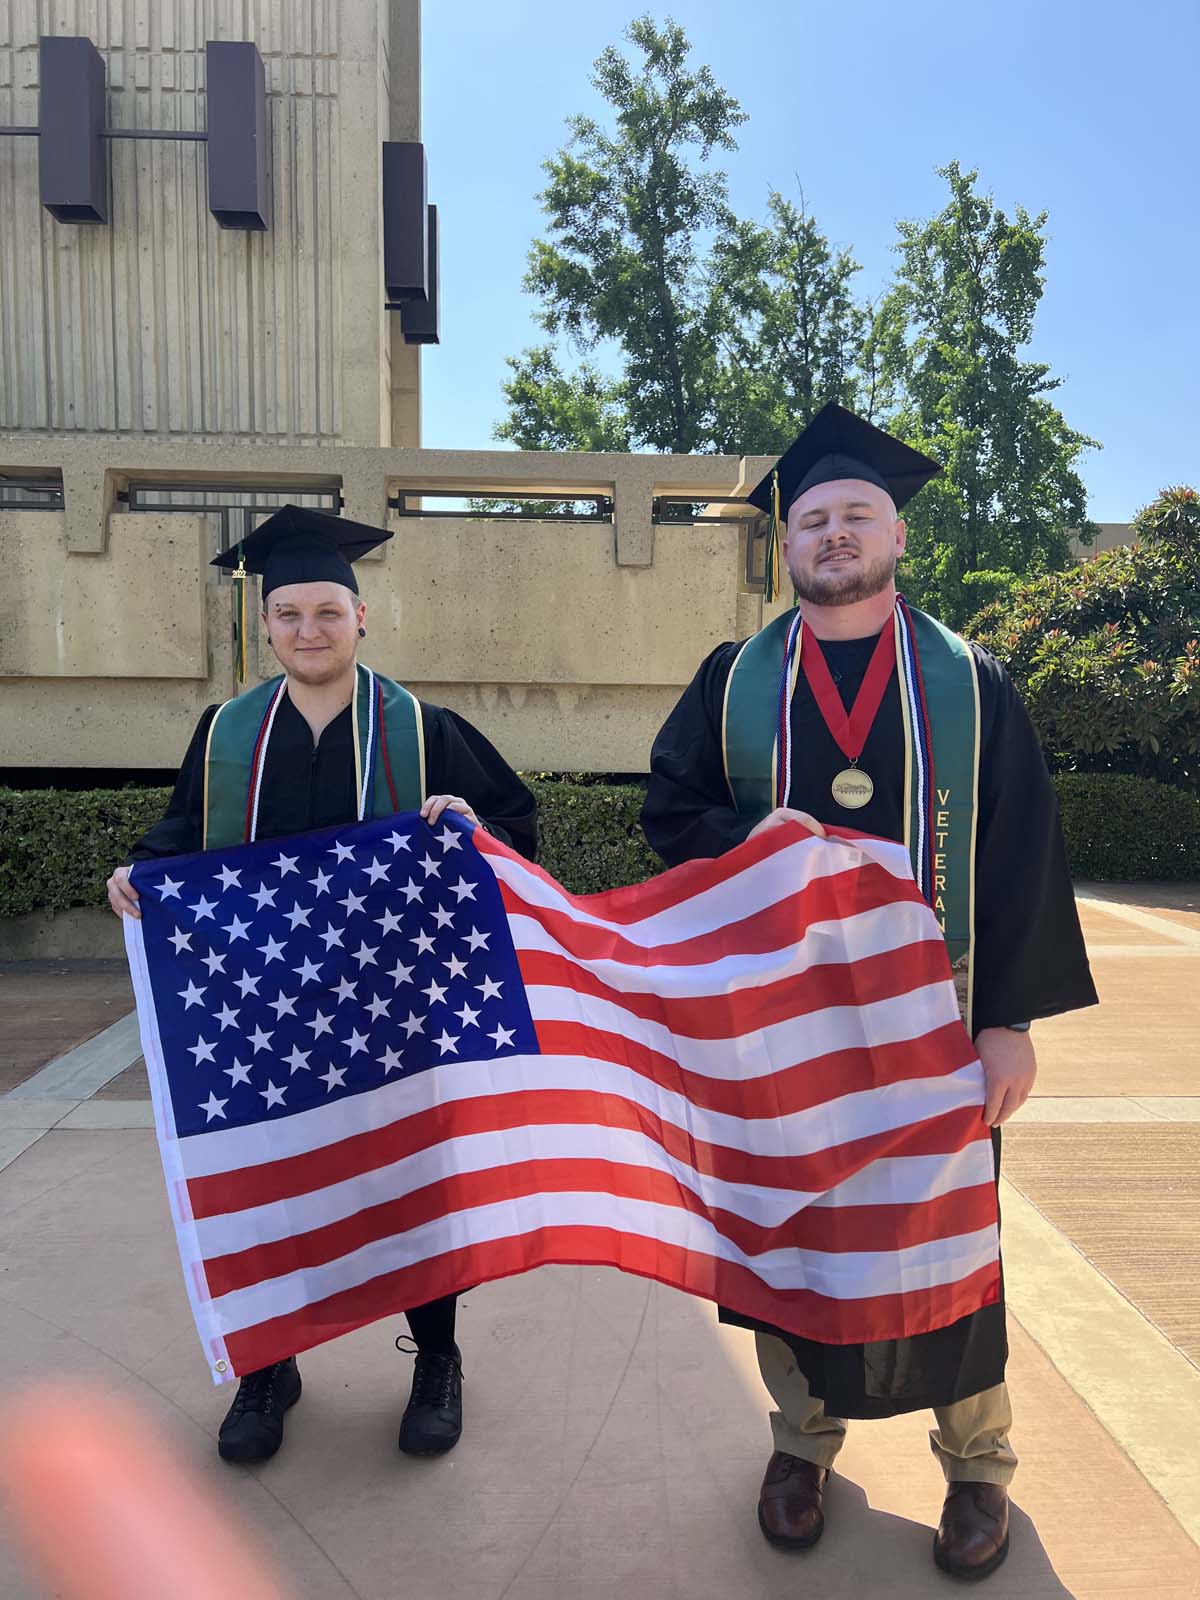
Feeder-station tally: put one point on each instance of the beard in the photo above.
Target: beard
(836, 587)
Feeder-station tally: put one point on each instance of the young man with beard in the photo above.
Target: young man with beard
(898, 728)
(289, 757)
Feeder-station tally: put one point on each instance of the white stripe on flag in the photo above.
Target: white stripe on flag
(855, 1275)
(821, 1127)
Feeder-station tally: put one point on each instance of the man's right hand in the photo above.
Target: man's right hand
(122, 896)
(786, 814)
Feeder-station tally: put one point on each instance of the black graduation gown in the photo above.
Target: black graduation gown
(306, 787)
(1030, 960)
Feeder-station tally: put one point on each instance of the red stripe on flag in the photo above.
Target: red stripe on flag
(748, 1010)
(639, 901)
(787, 1089)
(815, 1317)
(835, 1229)
(226, 1192)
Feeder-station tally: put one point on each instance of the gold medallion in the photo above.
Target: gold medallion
(852, 788)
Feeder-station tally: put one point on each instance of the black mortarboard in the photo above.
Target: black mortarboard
(300, 545)
(837, 444)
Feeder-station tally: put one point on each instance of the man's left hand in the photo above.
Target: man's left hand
(1009, 1070)
(437, 803)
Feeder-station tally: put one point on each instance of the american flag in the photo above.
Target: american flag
(390, 1062)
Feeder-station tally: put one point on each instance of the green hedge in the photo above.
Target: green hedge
(59, 847)
(1119, 826)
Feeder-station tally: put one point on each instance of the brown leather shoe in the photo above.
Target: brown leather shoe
(972, 1537)
(789, 1506)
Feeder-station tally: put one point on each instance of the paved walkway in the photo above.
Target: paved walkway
(616, 1435)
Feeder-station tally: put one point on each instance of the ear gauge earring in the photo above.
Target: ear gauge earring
(362, 633)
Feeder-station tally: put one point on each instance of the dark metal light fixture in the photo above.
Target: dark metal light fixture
(405, 223)
(420, 320)
(71, 133)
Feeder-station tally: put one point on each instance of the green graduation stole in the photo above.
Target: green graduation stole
(389, 755)
(939, 698)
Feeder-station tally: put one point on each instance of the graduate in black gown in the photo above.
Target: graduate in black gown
(306, 774)
(840, 487)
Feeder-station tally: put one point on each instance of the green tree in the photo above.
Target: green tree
(629, 211)
(724, 335)
(793, 337)
(1107, 655)
(950, 336)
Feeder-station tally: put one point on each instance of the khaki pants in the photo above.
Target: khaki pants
(970, 1440)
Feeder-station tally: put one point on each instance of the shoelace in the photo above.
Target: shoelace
(433, 1376)
(256, 1392)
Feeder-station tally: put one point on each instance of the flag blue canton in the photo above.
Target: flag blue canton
(290, 973)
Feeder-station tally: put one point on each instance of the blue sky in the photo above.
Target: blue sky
(1083, 111)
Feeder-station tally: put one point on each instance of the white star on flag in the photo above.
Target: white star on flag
(264, 896)
(297, 915)
(345, 989)
(503, 1037)
(356, 1042)
(413, 1024)
(411, 891)
(398, 842)
(213, 961)
(435, 992)
(272, 950)
(467, 1016)
(204, 907)
(477, 940)
(227, 1017)
(390, 1061)
(320, 1024)
(237, 1073)
(310, 972)
(331, 936)
(389, 922)
(202, 1051)
(378, 1008)
(169, 888)
(191, 996)
(285, 864)
(376, 870)
(297, 1059)
(229, 879)
(248, 983)
(353, 902)
(237, 929)
(181, 941)
(464, 890)
(489, 989)
(432, 868)
(272, 1095)
(448, 839)
(365, 954)
(443, 918)
(456, 967)
(343, 851)
(423, 943)
(335, 1078)
(400, 974)
(447, 1042)
(212, 1107)
(260, 1040)
(320, 883)
(283, 1006)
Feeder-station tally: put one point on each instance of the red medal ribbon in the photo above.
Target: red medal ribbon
(849, 731)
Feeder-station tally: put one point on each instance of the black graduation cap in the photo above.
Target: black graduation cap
(837, 444)
(301, 545)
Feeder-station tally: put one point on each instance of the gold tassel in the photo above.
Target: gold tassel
(239, 617)
(771, 555)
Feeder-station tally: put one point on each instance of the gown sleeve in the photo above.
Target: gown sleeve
(181, 829)
(688, 811)
(460, 760)
(1030, 959)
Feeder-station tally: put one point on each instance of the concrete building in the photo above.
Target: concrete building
(166, 380)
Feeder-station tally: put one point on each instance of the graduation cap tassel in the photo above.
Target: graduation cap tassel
(771, 556)
(239, 617)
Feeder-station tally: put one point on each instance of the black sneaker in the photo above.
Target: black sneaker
(253, 1425)
(432, 1421)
